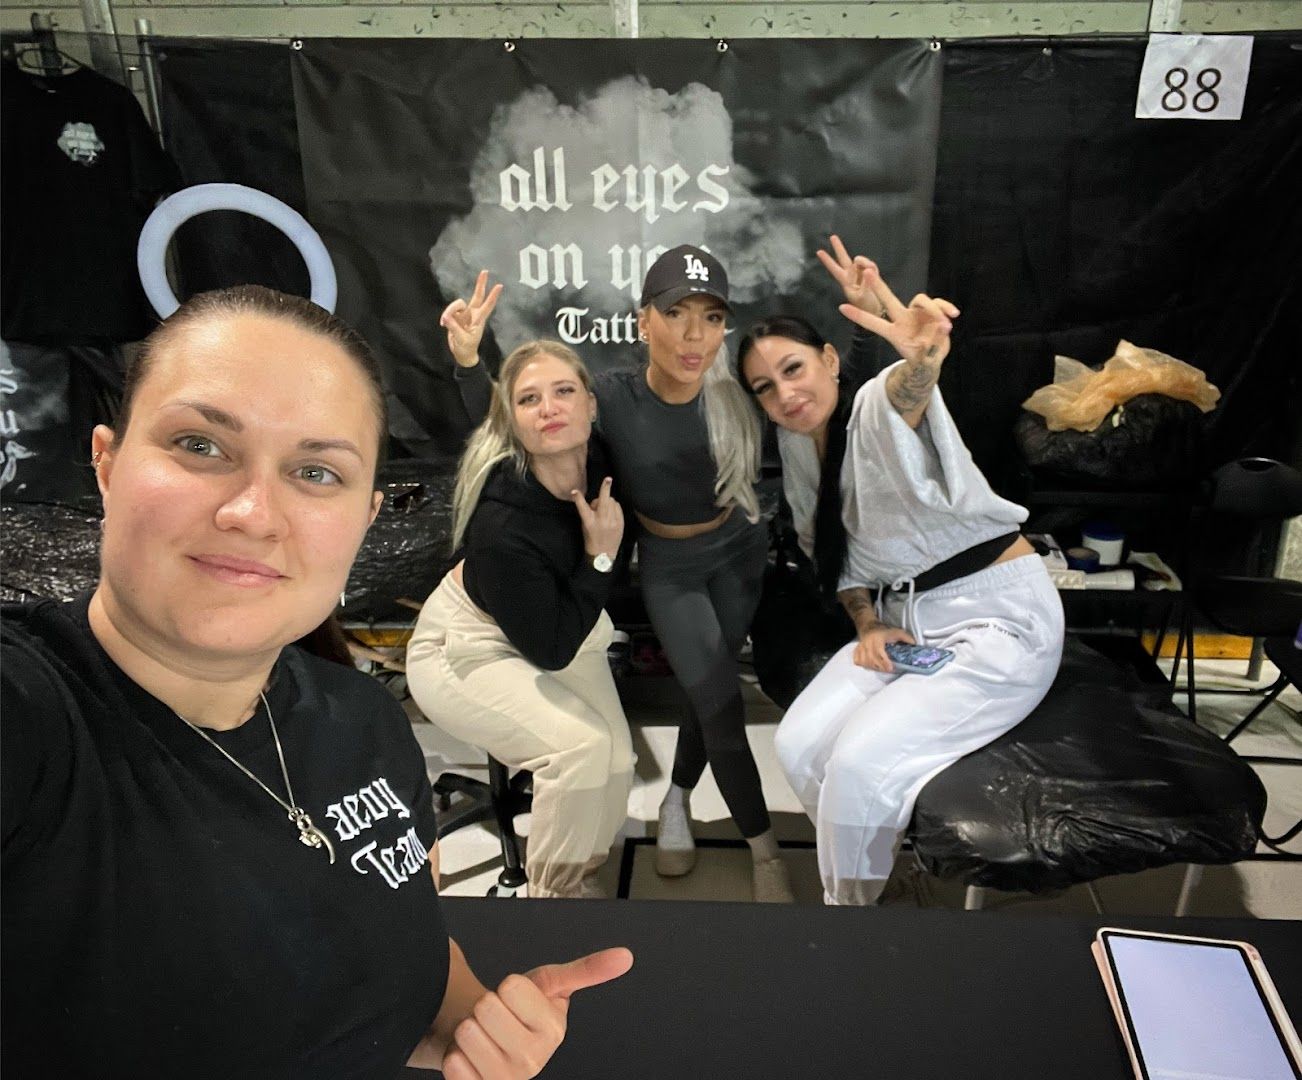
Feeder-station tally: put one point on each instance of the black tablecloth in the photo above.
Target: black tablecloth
(755, 991)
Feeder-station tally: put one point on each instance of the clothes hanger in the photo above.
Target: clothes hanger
(44, 58)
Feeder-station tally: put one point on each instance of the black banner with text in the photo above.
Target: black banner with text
(566, 167)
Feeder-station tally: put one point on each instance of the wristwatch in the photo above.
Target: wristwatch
(602, 563)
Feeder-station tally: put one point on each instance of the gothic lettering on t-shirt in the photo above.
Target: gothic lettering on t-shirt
(396, 864)
(354, 814)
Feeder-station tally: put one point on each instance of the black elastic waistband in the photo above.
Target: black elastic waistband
(965, 562)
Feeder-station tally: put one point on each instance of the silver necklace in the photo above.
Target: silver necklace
(308, 833)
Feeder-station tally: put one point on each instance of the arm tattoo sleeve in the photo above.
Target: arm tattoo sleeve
(858, 603)
(909, 386)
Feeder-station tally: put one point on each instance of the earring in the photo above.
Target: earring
(343, 599)
(94, 461)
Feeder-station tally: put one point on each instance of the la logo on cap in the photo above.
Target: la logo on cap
(696, 270)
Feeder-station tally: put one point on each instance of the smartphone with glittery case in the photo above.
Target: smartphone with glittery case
(917, 659)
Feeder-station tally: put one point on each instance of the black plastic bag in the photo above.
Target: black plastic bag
(1104, 777)
(1152, 441)
(408, 549)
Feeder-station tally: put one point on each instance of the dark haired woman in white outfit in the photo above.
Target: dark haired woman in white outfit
(922, 551)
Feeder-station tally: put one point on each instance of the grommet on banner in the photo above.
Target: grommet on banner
(296, 44)
(174, 211)
(509, 46)
(934, 45)
(721, 45)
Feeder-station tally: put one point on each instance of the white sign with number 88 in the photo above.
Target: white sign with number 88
(1194, 77)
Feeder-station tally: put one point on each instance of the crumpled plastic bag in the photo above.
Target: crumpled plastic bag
(1080, 397)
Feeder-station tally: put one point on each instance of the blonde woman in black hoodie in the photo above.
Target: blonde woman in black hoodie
(509, 652)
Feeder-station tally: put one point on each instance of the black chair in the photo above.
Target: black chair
(1106, 776)
(463, 800)
(1262, 493)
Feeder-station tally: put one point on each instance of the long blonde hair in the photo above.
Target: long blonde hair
(734, 430)
(495, 439)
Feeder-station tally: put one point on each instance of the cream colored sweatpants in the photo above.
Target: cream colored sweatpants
(567, 727)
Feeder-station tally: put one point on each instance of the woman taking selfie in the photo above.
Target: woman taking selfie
(509, 652)
(219, 851)
(920, 550)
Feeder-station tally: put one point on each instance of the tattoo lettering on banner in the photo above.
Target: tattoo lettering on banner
(572, 204)
(355, 814)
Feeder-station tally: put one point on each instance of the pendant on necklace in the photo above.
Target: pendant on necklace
(309, 834)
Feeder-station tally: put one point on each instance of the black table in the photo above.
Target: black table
(750, 991)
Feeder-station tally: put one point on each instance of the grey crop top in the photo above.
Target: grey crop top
(660, 453)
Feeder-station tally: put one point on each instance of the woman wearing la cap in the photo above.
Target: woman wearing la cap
(886, 498)
(509, 652)
(684, 445)
(219, 851)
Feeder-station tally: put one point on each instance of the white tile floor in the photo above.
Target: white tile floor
(471, 857)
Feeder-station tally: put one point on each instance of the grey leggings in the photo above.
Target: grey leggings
(701, 595)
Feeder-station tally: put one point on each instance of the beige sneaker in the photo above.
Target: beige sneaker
(771, 882)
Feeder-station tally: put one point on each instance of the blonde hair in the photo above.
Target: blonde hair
(734, 431)
(495, 439)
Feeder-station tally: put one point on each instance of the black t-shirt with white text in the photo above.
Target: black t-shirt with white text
(81, 173)
(161, 917)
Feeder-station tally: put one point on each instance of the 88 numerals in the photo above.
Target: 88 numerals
(1205, 100)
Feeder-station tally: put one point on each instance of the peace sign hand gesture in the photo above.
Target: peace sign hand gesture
(919, 332)
(465, 322)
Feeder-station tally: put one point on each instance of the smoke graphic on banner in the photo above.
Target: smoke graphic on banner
(572, 204)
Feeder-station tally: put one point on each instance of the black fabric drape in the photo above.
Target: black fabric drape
(228, 117)
(1062, 224)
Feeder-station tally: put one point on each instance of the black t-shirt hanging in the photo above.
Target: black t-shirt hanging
(81, 172)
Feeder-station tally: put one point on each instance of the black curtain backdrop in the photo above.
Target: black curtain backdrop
(1060, 222)
(228, 115)
(1063, 224)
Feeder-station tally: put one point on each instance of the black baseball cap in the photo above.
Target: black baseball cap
(684, 271)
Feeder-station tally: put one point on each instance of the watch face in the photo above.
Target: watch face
(603, 563)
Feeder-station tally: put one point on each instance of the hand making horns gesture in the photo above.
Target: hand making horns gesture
(602, 520)
(918, 332)
(465, 321)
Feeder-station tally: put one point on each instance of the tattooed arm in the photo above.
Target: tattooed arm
(909, 385)
(858, 604)
(874, 635)
(918, 332)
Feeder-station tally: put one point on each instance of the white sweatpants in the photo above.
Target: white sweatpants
(567, 727)
(858, 745)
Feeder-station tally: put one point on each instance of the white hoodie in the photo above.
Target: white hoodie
(909, 498)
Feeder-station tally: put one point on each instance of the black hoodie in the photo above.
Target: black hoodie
(526, 566)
